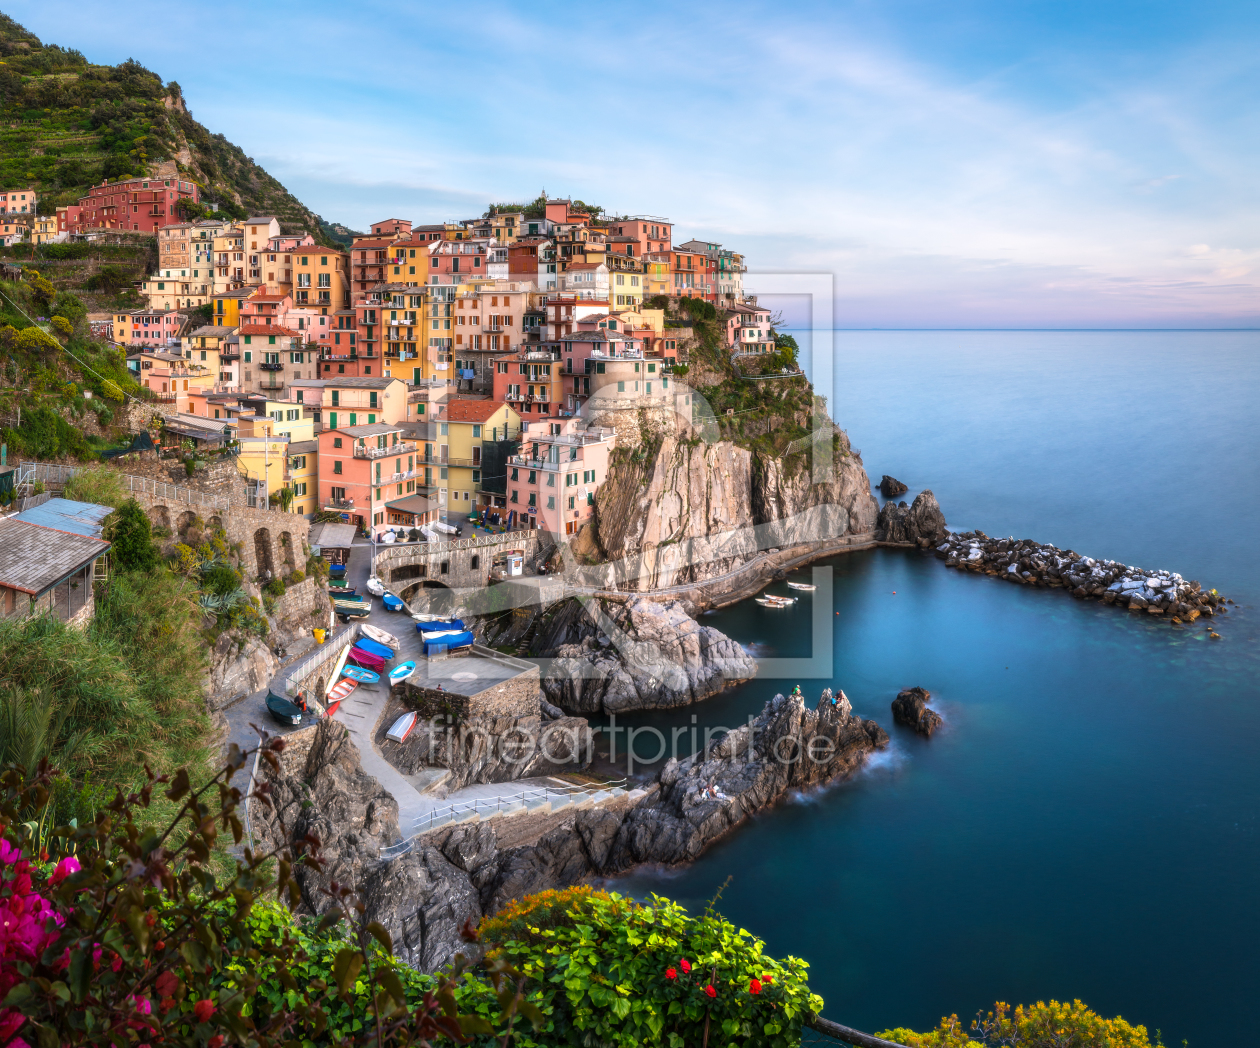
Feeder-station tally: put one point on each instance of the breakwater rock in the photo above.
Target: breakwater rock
(642, 655)
(921, 523)
(1041, 564)
(910, 707)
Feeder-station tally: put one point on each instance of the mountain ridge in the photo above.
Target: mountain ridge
(67, 124)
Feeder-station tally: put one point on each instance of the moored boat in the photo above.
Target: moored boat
(358, 673)
(374, 647)
(392, 603)
(283, 710)
(375, 586)
(401, 672)
(379, 635)
(802, 586)
(401, 728)
(338, 693)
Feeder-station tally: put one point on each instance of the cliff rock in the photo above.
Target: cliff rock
(922, 523)
(910, 707)
(890, 487)
(653, 655)
(694, 511)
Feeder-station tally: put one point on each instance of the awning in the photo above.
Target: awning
(335, 536)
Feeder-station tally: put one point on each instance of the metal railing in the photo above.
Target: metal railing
(401, 448)
(513, 802)
(54, 473)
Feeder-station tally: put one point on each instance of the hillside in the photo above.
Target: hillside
(67, 124)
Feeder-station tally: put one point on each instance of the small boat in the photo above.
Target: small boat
(338, 693)
(343, 594)
(359, 674)
(338, 582)
(802, 586)
(402, 727)
(283, 710)
(352, 607)
(366, 659)
(392, 603)
(775, 602)
(439, 625)
(337, 571)
(379, 635)
(374, 647)
(375, 586)
(400, 673)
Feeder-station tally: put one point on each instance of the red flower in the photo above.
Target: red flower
(768, 980)
(685, 966)
(216, 1041)
(710, 991)
(203, 1009)
(754, 987)
(671, 973)
(159, 945)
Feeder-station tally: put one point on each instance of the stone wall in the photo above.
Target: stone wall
(311, 675)
(402, 566)
(515, 697)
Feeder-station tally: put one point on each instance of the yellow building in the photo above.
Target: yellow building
(321, 278)
(45, 229)
(461, 431)
(227, 306)
(262, 454)
(657, 279)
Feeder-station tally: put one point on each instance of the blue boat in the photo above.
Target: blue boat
(402, 672)
(440, 643)
(337, 570)
(440, 626)
(360, 674)
(283, 710)
(374, 648)
(392, 603)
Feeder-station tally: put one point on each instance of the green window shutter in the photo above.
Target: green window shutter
(354, 419)
(332, 420)
(371, 419)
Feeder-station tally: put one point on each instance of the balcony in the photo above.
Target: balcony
(339, 504)
(462, 463)
(403, 447)
(538, 464)
(268, 365)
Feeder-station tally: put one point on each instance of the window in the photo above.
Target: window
(621, 387)
(588, 476)
(337, 466)
(248, 355)
(474, 561)
(570, 480)
(513, 496)
(515, 474)
(332, 424)
(570, 502)
(476, 476)
(551, 502)
(371, 400)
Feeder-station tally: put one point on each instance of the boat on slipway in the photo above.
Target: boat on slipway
(338, 693)
(401, 728)
(358, 673)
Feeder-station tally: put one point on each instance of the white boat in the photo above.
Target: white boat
(791, 585)
(379, 635)
(772, 602)
(443, 526)
(402, 727)
(375, 586)
(387, 536)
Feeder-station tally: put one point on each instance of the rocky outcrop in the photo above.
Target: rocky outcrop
(1040, 564)
(890, 487)
(640, 655)
(457, 873)
(920, 524)
(239, 666)
(910, 707)
(693, 511)
(486, 749)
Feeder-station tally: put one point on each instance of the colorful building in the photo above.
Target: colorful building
(320, 278)
(149, 327)
(18, 202)
(747, 329)
(461, 430)
(361, 468)
(138, 204)
(551, 484)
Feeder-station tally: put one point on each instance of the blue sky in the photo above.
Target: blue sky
(972, 164)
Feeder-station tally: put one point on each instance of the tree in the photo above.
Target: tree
(132, 535)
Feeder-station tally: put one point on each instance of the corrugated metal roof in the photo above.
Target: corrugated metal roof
(340, 536)
(33, 557)
(83, 518)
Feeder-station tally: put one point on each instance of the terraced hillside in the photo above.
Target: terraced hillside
(66, 124)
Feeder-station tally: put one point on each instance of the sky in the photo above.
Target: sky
(971, 164)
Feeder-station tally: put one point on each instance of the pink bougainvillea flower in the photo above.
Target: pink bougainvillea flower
(203, 1009)
(10, 1022)
(63, 869)
(8, 853)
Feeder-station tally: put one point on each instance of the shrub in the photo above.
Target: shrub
(294, 577)
(100, 485)
(1039, 1025)
(615, 972)
(132, 535)
(274, 588)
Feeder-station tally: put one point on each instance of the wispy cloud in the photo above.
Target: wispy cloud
(971, 165)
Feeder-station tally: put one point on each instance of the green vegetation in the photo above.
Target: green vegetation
(99, 485)
(1040, 1025)
(132, 535)
(69, 124)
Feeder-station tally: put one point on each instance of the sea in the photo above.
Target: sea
(1086, 823)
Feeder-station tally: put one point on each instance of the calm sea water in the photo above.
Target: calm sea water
(1087, 822)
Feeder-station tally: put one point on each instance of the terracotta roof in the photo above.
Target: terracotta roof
(471, 410)
(267, 298)
(362, 244)
(315, 249)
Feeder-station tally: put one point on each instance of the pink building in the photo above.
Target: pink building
(138, 204)
(458, 261)
(551, 484)
(149, 327)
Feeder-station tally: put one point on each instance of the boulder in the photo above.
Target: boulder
(910, 708)
(921, 524)
(657, 656)
(891, 486)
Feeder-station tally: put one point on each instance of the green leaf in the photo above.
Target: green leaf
(473, 1024)
(346, 968)
(388, 978)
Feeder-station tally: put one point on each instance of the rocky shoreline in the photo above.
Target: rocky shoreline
(457, 873)
(1030, 563)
